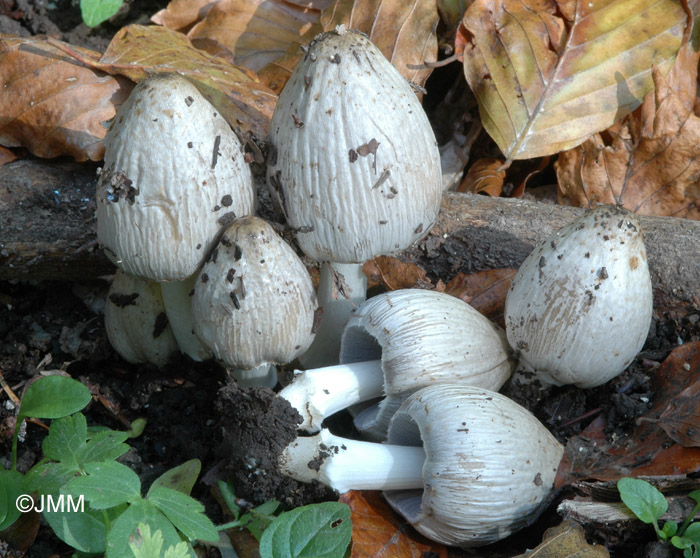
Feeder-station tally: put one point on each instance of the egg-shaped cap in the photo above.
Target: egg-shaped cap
(354, 160)
(254, 301)
(579, 309)
(490, 464)
(174, 171)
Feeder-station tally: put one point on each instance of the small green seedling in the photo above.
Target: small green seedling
(91, 501)
(314, 531)
(648, 504)
(95, 12)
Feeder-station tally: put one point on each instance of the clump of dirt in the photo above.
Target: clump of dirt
(257, 425)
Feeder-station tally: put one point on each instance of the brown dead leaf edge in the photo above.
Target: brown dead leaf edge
(650, 450)
(378, 533)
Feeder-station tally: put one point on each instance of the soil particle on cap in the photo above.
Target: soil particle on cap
(257, 425)
(123, 300)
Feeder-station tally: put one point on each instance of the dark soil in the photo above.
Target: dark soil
(194, 410)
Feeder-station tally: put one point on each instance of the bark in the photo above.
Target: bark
(47, 231)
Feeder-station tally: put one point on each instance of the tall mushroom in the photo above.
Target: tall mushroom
(580, 307)
(253, 302)
(394, 344)
(174, 174)
(355, 166)
(465, 466)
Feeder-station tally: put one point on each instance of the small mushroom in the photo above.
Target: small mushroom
(579, 309)
(355, 167)
(253, 302)
(135, 320)
(394, 344)
(465, 466)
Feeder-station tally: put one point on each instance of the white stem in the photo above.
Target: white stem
(264, 375)
(319, 393)
(346, 464)
(336, 309)
(178, 307)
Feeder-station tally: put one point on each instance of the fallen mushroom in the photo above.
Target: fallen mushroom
(465, 466)
(135, 320)
(579, 309)
(355, 166)
(174, 175)
(394, 344)
(253, 302)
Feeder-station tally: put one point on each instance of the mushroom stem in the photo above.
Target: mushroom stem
(177, 297)
(341, 288)
(319, 393)
(346, 464)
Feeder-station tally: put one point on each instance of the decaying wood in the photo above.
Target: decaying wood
(47, 231)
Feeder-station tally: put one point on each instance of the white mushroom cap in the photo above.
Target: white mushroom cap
(135, 320)
(489, 465)
(580, 307)
(254, 301)
(423, 337)
(173, 172)
(354, 159)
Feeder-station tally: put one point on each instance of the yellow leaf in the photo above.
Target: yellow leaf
(547, 74)
(566, 540)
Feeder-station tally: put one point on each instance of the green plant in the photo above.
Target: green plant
(95, 12)
(314, 531)
(79, 466)
(648, 504)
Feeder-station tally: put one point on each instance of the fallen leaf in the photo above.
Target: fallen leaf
(53, 105)
(677, 388)
(394, 274)
(648, 450)
(549, 73)
(566, 540)
(181, 15)
(137, 51)
(256, 32)
(649, 163)
(403, 30)
(377, 532)
(484, 290)
(7, 155)
(484, 176)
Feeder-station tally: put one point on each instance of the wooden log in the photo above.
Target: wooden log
(47, 231)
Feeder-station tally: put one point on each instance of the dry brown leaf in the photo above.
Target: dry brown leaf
(53, 105)
(648, 451)
(138, 51)
(484, 176)
(180, 15)
(377, 531)
(403, 30)
(566, 540)
(651, 164)
(394, 274)
(256, 32)
(7, 155)
(549, 73)
(484, 290)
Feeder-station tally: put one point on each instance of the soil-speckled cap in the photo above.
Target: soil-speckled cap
(353, 159)
(254, 302)
(174, 171)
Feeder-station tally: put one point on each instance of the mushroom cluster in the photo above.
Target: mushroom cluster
(355, 168)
